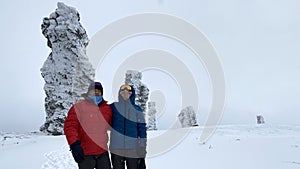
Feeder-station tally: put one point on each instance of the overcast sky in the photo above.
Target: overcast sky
(257, 43)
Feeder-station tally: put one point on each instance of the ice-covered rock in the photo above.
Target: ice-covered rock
(260, 119)
(67, 71)
(151, 123)
(133, 77)
(187, 117)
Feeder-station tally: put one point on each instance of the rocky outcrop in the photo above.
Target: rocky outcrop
(67, 71)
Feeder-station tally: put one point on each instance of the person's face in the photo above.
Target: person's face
(125, 94)
(95, 92)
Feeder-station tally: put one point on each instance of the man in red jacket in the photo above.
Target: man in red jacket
(86, 129)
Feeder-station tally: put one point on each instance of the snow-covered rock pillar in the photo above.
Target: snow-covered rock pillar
(151, 123)
(134, 78)
(67, 71)
(187, 117)
(260, 119)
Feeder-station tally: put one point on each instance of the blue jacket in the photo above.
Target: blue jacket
(128, 125)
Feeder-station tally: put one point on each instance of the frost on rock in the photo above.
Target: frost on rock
(134, 78)
(67, 71)
(187, 117)
(151, 124)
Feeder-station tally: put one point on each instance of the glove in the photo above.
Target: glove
(141, 152)
(77, 152)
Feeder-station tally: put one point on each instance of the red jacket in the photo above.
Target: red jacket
(89, 123)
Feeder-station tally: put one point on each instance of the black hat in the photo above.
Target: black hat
(96, 85)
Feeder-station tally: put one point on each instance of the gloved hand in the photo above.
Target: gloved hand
(77, 152)
(141, 152)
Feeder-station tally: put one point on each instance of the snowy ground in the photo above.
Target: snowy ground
(231, 147)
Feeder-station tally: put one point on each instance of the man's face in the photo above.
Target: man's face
(95, 92)
(125, 94)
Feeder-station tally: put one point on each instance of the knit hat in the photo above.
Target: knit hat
(96, 85)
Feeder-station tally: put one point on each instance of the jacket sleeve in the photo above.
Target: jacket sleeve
(71, 126)
(107, 113)
(142, 130)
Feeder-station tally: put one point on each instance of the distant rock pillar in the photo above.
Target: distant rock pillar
(134, 78)
(260, 119)
(187, 117)
(151, 124)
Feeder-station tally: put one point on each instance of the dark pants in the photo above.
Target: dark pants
(101, 161)
(141, 163)
(118, 162)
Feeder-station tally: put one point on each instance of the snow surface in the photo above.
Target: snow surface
(231, 147)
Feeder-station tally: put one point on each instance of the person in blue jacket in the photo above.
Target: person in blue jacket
(128, 135)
